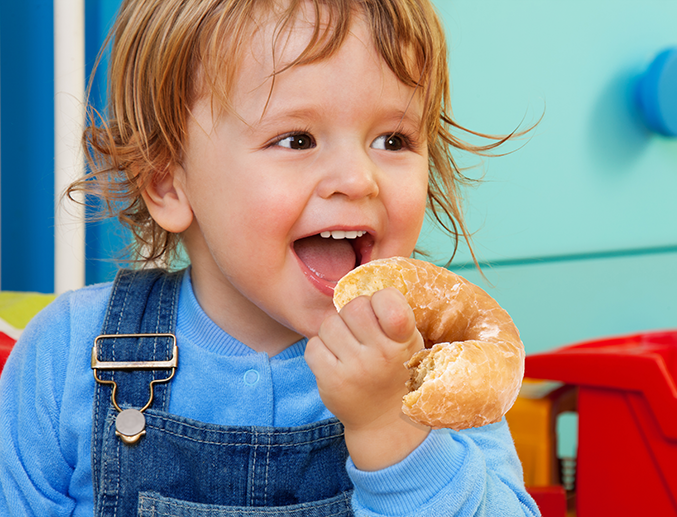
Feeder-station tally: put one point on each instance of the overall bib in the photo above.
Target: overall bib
(174, 466)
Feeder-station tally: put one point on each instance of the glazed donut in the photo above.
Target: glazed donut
(471, 370)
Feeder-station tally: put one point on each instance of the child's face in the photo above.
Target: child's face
(324, 152)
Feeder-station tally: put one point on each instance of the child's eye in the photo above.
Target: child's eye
(297, 141)
(391, 142)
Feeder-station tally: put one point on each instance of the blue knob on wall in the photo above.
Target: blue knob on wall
(657, 94)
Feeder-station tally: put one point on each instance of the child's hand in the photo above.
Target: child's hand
(358, 359)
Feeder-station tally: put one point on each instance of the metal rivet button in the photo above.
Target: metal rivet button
(130, 425)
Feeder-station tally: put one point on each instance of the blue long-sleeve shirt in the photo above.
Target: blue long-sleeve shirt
(47, 389)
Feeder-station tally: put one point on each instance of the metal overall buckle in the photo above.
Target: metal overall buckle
(130, 424)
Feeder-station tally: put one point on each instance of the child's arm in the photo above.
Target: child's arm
(34, 474)
(474, 472)
(358, 359)
(400, 468)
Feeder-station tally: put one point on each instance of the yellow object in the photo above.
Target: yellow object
(532, 421)
(18, 308)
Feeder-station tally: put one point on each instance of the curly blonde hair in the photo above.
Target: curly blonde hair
(166, 54)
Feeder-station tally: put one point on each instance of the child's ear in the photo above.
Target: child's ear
(166, 200)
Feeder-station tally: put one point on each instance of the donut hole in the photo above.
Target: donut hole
(355, 284)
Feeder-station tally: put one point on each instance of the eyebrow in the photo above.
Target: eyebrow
(406, 116)
(303, 114)
(272, 118)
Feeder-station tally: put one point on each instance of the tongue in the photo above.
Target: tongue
(330, 259)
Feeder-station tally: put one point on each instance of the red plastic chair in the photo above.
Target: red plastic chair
(6, 345)
(627, 435)
(551, 500)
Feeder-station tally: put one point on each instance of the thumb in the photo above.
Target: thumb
(394, 314)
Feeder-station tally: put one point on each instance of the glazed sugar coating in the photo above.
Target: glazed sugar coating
(470, 373)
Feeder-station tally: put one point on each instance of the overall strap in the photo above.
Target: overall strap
(143, 301)
(131, 369)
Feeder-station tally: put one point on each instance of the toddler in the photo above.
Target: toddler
(280, 143)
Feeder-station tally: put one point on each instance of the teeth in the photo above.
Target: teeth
(340, 234)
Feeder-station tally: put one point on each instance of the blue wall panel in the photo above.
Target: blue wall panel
(27, 122)
(27, 147)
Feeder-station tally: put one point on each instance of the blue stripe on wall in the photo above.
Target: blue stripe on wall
(105, 239)
(26, 36)
(27, 147)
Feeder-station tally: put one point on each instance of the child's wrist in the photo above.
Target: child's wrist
(379, 446)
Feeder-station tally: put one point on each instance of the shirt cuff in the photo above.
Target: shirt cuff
(405, 486)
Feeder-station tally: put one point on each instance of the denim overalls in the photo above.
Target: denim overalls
(175, 466)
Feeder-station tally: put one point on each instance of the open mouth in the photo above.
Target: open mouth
(332, 254)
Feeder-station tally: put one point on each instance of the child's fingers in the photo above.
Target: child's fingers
(333, 345)
(318, 356)
(358, 316)
(394, 315)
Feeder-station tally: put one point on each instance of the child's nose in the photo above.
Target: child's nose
(350, 173)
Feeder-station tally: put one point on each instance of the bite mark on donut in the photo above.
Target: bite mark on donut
(418, 370)
(428, 364)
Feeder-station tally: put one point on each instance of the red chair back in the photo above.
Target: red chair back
(6, 345)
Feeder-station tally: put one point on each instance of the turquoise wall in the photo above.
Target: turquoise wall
(577, 227)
